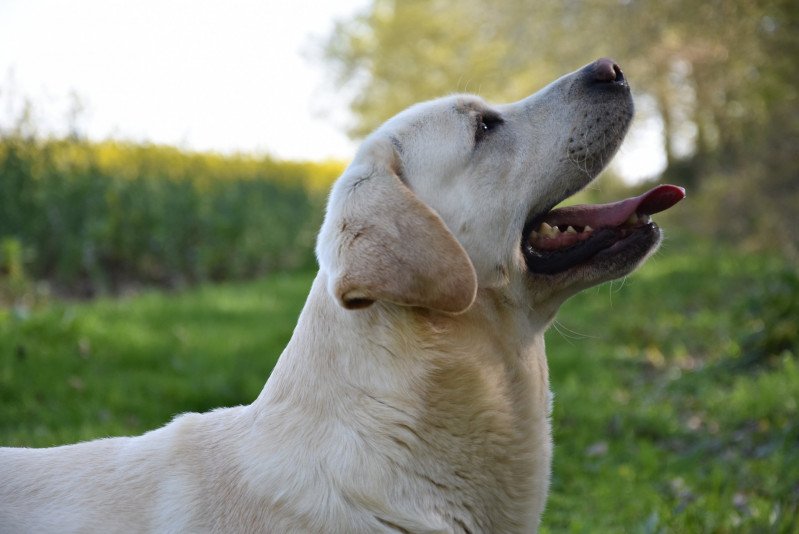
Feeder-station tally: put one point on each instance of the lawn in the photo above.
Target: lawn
(676, 390)
(115, 367)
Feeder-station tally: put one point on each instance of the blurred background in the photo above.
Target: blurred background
(163, 171)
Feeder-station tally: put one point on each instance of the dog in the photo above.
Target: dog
(413, 395)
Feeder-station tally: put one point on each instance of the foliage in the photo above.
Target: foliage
(771, 319)
(104, 216)
(12, 273)
(658, 426)
(399, 52)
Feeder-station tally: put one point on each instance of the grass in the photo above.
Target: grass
(676, 391)
(668, 418)
(112, 367)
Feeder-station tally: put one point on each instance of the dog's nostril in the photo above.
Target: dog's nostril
(619, 73)
(606, 71)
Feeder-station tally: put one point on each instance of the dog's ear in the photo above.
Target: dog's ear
(380, 242)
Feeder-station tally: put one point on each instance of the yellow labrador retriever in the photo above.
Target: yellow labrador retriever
(413, 395)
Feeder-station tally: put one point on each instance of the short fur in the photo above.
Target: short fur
(413, 395)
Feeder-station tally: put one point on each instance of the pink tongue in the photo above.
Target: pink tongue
(655, 200)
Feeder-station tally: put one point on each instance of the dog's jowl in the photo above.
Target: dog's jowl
(413, 395)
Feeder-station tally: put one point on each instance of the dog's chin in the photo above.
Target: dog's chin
(612, 254)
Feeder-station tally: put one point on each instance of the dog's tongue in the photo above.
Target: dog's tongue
(655, 200)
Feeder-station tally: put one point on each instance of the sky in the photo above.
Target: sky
(205, 75)
(233, 76)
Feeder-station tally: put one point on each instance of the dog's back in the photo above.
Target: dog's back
(124, 484)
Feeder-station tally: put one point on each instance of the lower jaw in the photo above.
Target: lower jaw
(618, 248)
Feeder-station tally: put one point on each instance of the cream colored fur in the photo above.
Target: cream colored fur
(413, 395)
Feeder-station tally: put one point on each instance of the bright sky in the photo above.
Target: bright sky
(200, 74)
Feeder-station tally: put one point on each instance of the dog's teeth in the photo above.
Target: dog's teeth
(571, 230)
(632, 219)
(555, 231)
(644, 219)
(588, 229)
(546, 230)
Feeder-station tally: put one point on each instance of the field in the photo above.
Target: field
(676, 390)
(94, 218)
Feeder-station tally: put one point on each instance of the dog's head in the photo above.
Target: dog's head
(455, 194)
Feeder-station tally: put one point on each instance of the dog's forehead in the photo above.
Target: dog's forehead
(454, 106)
(469, 104)
(437, 119)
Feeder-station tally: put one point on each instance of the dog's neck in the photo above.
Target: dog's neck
(374, 348)
(456, 398)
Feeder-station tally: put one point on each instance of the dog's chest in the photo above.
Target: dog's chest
(484, 444)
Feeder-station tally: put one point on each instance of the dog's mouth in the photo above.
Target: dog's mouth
(567, 237)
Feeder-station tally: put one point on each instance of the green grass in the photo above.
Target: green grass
(125, 366)
(670, 416)
(676, 391)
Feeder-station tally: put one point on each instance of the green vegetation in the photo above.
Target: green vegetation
(677, 398)
(676, 391)
(99, 217)
(123, 366)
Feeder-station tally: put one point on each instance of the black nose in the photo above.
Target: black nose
(606, 70)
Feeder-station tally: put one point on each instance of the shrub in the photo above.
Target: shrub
(100, 217)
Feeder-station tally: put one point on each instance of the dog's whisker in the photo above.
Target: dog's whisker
(568, 333)
(622, 282)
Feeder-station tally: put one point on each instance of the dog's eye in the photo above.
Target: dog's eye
(486, 123)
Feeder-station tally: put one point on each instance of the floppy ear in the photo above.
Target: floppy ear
(380, 242)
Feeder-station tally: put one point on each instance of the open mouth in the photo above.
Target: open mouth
(571, 236)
